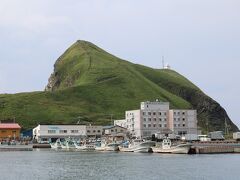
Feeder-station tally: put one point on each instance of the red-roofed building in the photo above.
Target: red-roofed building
(9, 131)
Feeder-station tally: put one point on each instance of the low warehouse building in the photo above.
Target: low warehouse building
(9, 131)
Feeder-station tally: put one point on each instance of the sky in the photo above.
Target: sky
(198, 38)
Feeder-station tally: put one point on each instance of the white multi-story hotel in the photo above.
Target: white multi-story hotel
(46, 133)
(156, 117)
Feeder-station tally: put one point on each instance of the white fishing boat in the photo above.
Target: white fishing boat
(56, 145)
(85, 147)
(168, 148)
(108, 146)
(138, 145)
(68, 144)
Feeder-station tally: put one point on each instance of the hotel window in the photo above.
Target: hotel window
(155, 119)
(160, 125)
(154, 113)
(160, 113)
(160, 119)
(149, 119)
(144, 125)
(51, 131)
(183, 113)
(183, 125)
(144, 119)
(183, 119)
(149, 125)
(149, 113)
(154, 125)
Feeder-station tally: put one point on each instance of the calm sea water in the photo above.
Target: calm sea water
(50, 164)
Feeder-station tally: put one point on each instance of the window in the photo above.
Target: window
(74, 131)
(174, 113)
(178, 125)
(165, 125)
(62, 131)
(149, 125)
(165, 119)
(149, 113)
(165, 113)
(112, 130)
(143, 113)
(3, 131)
(149, 119)
(183, 125)
(175, 125)
(183, 113)
(178, 119)
(94, 131)
(51, 131)
(88, 131)
(115, 130)
(144, 119)
(154, 113)
(178, 113)
(121, 130)
(183, 119)
(155, 119)
(145, 125)
(174, 119)
(160, 113)
(154, 125)
(160, 119)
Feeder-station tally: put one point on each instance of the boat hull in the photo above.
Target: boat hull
(173, 150)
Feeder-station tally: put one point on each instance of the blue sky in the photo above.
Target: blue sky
(199, 38)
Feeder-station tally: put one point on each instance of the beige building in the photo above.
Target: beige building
(156, 117)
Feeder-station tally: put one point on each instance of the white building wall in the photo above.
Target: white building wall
(155, 117)
(65, 131)
(121, 123)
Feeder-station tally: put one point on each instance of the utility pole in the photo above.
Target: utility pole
(163, 63)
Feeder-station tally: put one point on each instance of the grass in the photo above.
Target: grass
(91, 85)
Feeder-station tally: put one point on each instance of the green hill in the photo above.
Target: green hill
(91, 85)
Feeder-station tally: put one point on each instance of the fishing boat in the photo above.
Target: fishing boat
(56, 145)
(167, 147)
(138, 145)
(85, 147)
(68, 144)
(113, 146)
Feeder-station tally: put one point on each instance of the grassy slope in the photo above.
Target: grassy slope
(91, 85)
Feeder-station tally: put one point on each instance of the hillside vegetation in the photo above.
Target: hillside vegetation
(90, 85)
